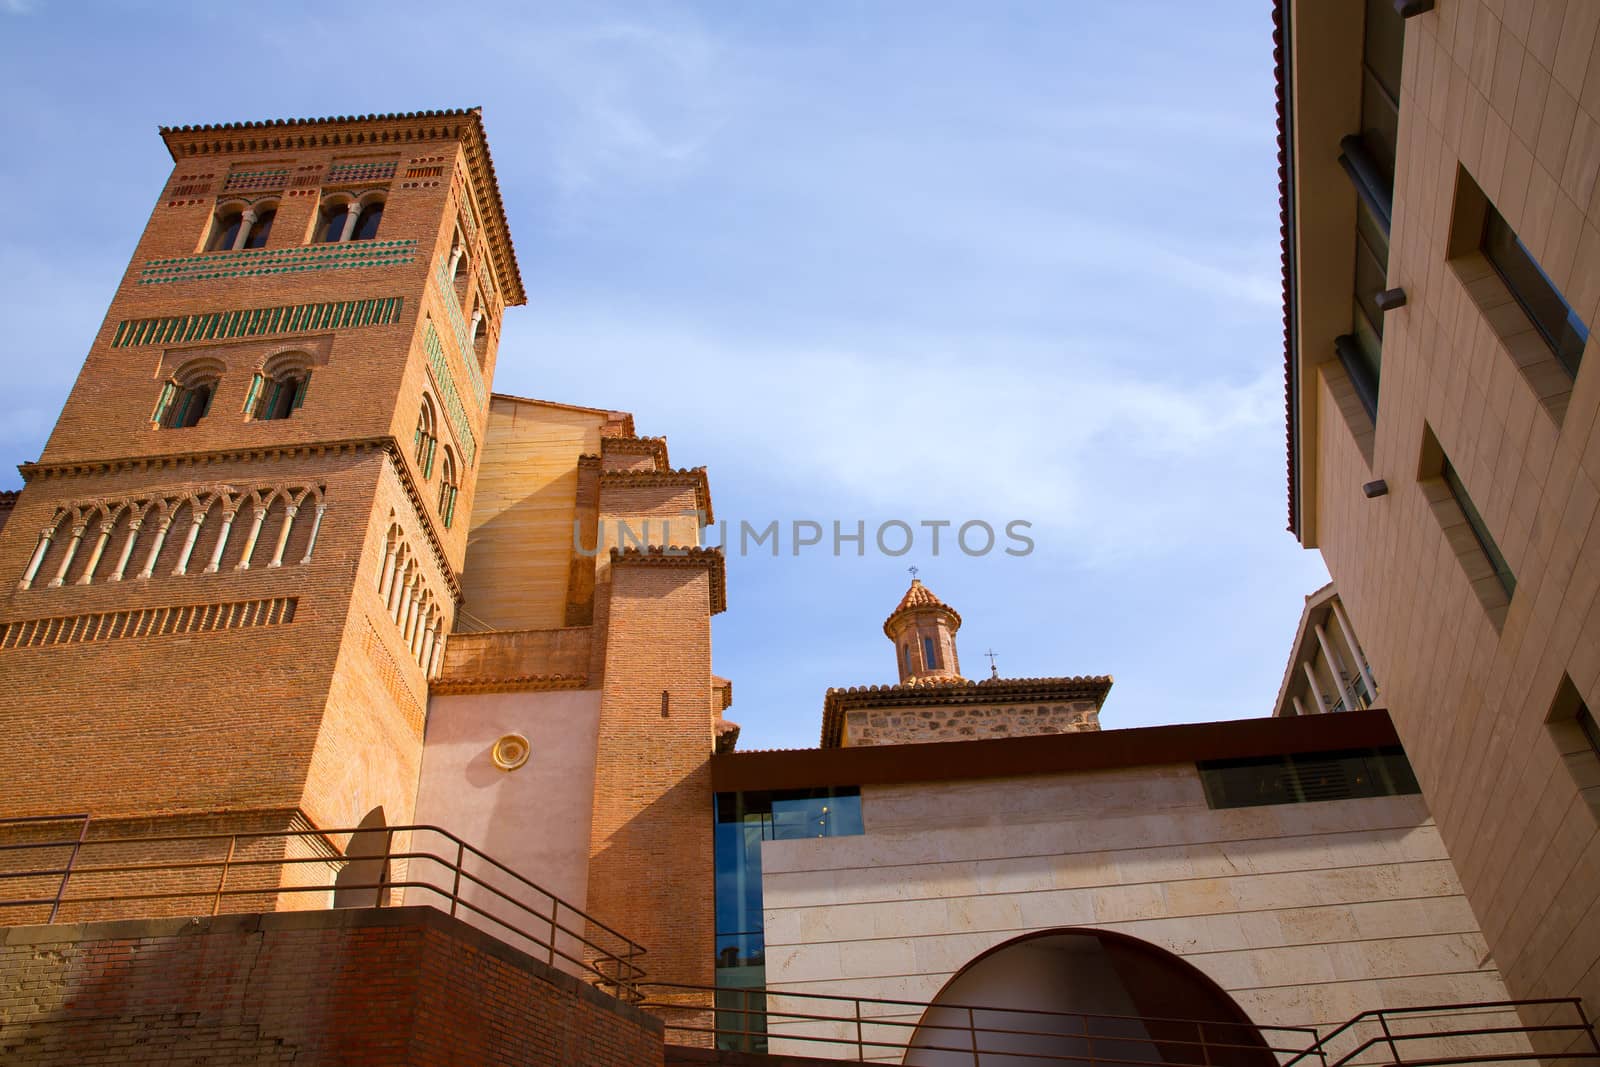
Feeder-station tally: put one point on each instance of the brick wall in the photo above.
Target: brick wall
(401, 985)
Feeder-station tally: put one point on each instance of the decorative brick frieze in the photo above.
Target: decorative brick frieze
(445, 382)
(146, 622)
(410, 601)
(255, 322)
(264, 262)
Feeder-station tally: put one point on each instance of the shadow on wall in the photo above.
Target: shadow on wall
(357, 885)
(1093, 994)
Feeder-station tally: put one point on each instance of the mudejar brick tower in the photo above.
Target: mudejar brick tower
(268, 458)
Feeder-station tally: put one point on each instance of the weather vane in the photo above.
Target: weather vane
(913, 572)
(994, 672)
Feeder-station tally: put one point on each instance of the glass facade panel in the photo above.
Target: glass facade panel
(1502, 570)
(1298, 779)
(743, 821)
(1552, 316)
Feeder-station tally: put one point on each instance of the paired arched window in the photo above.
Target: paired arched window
(237, 226)
(426, 439)
(277, 394)
(183, 403)
(349, 220)
(447, 488)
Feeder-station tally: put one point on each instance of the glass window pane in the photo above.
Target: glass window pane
(1370, 281)
(332, 228)
(1380, 126)
(1384, 45)
(1458, 489)
(1562, 329)
(367, 222)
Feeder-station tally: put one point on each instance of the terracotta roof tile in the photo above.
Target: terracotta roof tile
(918, 597)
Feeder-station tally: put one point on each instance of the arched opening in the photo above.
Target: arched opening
(225, 228)
(366, 227)
(1083, 994)
(360, 883)
(331, 221)
(261, 229)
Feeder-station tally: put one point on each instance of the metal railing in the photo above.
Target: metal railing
(1562, 1042)
(182, 874)
(878, 1029)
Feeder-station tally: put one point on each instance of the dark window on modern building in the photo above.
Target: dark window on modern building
(744, 821)
(1552, 316)
(1577, 736)
(1306, 777)
(1491, 551)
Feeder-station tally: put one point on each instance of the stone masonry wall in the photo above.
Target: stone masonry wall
(401, 985)
(900, 726)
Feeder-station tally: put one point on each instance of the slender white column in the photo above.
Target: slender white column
(438, 654)
(246, 220)
(409, 613)
(417, 631)
(1299, 708)
(250, 541)
(45, 537)
(316, 526)
(127, 549)
(1311, 680)
(398, 590)
(155, 547)
(455, 257)
(477, 321)
(188, 544)
(1349, 633)
(94, 556)
(427, 646)
(215, 563)
(1337, 669)
(386, 572)
(350, 221)
(283, 535)
(72, 550)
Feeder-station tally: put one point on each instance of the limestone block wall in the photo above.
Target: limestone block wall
(900, 726)
(1306, 914)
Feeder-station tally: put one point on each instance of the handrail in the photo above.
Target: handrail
(1393, 1039)
(556, 928)
(929, 1033)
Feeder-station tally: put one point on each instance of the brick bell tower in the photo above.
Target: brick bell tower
(232, 571)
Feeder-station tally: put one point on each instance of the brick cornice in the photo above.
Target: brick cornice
(174, 460)
(691, 477)
(639, 446)
(507, 683)
(990, 691)
(461, 125)
(711, 559)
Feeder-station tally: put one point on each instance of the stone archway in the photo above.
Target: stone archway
(1080, 995)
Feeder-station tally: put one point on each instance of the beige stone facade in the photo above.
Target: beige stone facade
(1471, 571)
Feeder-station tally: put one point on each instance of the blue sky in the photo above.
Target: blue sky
(916, 261)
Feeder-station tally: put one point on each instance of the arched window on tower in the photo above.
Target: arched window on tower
(462, 279)
(930, 655)
(186, 396)
(370, 215)
(225, 228)
(447, 488)
(480, 333)
(278, 390)
(426, 439)
(905, 658)
(331, 222)
(261, 228)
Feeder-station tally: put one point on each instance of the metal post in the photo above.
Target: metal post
(1394, 1053)
(1583, 1019)
(61, 890)
(222, 881)
(455, 890)
(861, 1056)
(383, 871)
(972, 1035)
(555, 910)
(1205, 1053)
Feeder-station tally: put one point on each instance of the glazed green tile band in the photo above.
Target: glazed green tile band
(260, 262)
(255, 179)
(447, 391)
(252, 322)
(447, 289)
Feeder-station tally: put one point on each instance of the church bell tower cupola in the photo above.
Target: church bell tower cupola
(923, 629)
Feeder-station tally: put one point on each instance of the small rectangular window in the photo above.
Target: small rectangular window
(1552, 316)
(1502, 570)
(930, 655)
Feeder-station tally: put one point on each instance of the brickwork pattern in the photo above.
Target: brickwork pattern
(355, 987)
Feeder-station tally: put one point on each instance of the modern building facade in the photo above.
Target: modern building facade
(1442, 273)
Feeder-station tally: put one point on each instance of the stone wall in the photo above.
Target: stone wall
(899, 726)
(1306, 914)
(402, 985)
